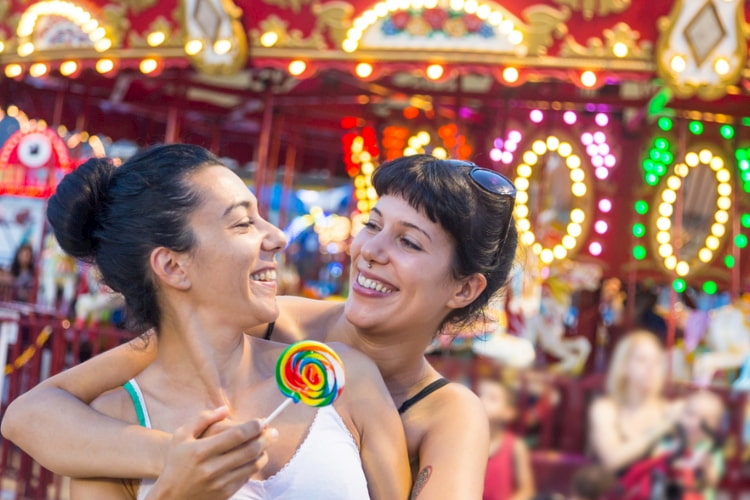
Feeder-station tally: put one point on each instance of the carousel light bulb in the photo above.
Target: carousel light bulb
(682, 268)
(222, 46)
(553, 143)
(530, 158)
(568, 241)
(536, 248)
(692, 159)
(434, 71)
(573, 162)
(97, 34)
(595, 248)
(423, 137)
(269, 39)
(665, 250)
(724, 189)
(712, 242)
(601, 119)
(2, 46)
(577, 215)
(605, 205)
(574, 229)
(674, 182)
(67, 68)
(515, 37)
(619, 49)
(601, 227)
(25, 49)
(192, 47)
(663, 237)
(717, 163)
(588, 79)
(547, 256)
(578, 189)
(38, 70)
(527, 238)
(668, 196)
(721, 216)
(522, 197)
(723, 175)
(363, 70)
(510, 74)
(524, 225)
(13, 71)
(539, 147)
(663, 223)
(148, 65)
(560, 252)
(577, 175)
(536, 115)
(156, 38)
(705, 156)
(564, 149)
(586, 138)
(440, 153)
(723, 203)
(522, 211)
(521, 183)
(718, 230)
(666, 209)
(670, 262)
(297, 67)
(524, 170)
(678, 64)
(105, 65)
(103, 45)
(705, 255)
(570, 117)
(721, 66)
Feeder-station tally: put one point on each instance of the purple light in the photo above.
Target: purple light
(597, 161)
(595, 248)
(514, 136)
(496, 154)
(601, 119)
(536, 116)
(511, 146)
(605, 205)
(610, 161)
(507, 157)
(590, 107)
(604, 149)
(587, 138)
(600, 138)
(592, 149)
(498, 143)
(601, 227)
(570, 117)
(601, 173)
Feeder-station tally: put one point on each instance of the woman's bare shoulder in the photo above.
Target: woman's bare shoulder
(116, 403)
(603, 407)
(302, 318)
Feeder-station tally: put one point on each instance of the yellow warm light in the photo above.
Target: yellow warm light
(666, 209)
(440, 153)
(577, 215)
(577, 175)
(682, 268)
(552, 143)
(148, 65)
(682, 170)
(222, 46)
(522, 211)
(269, 39)
(721, 216)
(705, 156)
(524, 225)
(515, 37)
(692, 159)
(67, 68)
(434, 71)
(539, 147)
(559, 252)
(663, 237)
(368, 168)
(668, 196)
(527, 238)
(521, 183)
(530, 158)
(723, 203)
(663, 223)
(523, 170)
(705, 255)
(2, 46)
(105, 65)
(721, 66)
(510, 74)
(90, 25)
(723, 175)
(724, 189)
(712, 242)
(717, 163)
(13, 71)
(38, 70)
(537, 248)
(522, 197)
(678, 64)
(568, 242)
(97, 34)
(192, 47)
(670, 262)
(102, 45)
(565, 149)
(619, 49)
(424, 137)
(297, 67)
(573, 161)
(156, 38)
(363, 69)
(588, 78)
(718, 229)
(665, 250)
(574, 229)
(547, 256)
(674, 183)
(25, 49)
(578, 189)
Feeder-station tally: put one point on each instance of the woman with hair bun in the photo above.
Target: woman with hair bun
(437, 246)
(169, 230)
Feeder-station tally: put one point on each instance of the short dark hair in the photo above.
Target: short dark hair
(115, 217)
(475, 219)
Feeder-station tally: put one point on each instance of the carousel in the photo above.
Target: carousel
(625, 126)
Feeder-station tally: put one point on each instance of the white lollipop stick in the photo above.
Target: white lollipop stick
(278, 410)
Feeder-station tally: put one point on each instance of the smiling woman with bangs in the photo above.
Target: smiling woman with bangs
(438, 245)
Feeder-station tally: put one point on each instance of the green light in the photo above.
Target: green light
(741, 154)
(745, 175)
(729, 261)
(744, 164)
(745, 220)
(710, 287)
(660, 169)
(654, 154)
(679, 285)
(652, 180)
(639, 230)
(648, 165)
(696, 128)
(639, 252)
(740, 240)
(746, 121)
(661, 143)
(641, 207)
(727, 131)
(746, 187)
(665, 124)
(666, 157)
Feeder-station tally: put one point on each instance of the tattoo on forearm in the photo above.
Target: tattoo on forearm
(420, 482)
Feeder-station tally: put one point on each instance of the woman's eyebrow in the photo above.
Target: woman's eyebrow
(405, 223)
(244, 204)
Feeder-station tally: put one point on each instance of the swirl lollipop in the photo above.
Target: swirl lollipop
(310, 372)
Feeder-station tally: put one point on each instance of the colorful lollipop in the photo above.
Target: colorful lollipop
(310, 372)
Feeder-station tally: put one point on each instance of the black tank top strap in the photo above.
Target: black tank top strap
(269, 330)
(434, 386)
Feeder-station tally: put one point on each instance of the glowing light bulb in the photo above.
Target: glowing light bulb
(156, 38)
(434, 71)
(269, 39)
(588, 79)
(510, 74)
(678, 64)
(297, 67)
(363, 70)
(192, 47)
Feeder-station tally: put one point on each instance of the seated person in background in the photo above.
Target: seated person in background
(509, 475)
(592, 482)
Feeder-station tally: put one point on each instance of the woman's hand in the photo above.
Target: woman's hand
(215, 466)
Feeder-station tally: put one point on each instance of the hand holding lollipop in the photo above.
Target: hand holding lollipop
(310, 372)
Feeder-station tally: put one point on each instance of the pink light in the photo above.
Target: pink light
(595, 248)
(601, 119)
(604, 149)
(507, 157)
(610, 160)
(511, 146)
(605, 205)
(602, 173)
(597, 161)
(536, 115)
(498, 142)
(601, 227)
(496, 154)
(592, 149)
(600, 138)
(514, 136)
(587, 138)
(570, 117)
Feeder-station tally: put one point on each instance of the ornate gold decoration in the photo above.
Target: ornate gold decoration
(620, 33)
(544, 24)
(295, 5)
(161, 23)
(136, 6)
(115, 22)
(226, 11)
(336, 17)
(591, 8)
(293, 38)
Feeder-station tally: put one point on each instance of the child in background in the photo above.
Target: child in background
(508, 475)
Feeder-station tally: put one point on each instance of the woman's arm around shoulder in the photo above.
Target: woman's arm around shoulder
(63, 440)
(381, 434)
(525, 489)
(454, 450)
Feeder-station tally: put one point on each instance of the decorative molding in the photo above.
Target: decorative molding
(621, 34)
(211, 21)
(287, 38)
(136, 6)
(544, 25)
(591, 8)
(161, 23)
(295, 5)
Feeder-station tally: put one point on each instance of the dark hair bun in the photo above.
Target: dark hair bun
(74, 210)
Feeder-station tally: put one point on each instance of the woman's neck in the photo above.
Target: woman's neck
(636, 398)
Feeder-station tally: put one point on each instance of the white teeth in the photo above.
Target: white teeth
(372, 284)
(269, 275)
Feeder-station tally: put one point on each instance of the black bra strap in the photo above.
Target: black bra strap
(269, 330)
(434, 386)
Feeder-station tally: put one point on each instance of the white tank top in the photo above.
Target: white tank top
(326, 465)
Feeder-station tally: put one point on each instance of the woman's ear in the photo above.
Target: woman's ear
(469, 289)
(170, 268)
